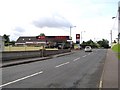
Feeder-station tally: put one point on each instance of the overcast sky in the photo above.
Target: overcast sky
(54, 17)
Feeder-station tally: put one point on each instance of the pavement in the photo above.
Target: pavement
(24, 61)
(109, 77)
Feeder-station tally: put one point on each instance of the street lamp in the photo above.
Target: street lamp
(70, 36)
(70, 31)
(112, 29)
(81, 35)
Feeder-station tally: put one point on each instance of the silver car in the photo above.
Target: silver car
(88, 49)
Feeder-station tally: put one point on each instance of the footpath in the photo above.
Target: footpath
(109, 77)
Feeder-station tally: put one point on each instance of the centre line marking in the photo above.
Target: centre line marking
(89, 53)
(76, 59)
(21, 79)
(62, 64)
(84, 55)
(100, 85)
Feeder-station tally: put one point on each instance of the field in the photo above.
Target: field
(25, 48)
(116, 48)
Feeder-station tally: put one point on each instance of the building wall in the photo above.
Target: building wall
(1, 44)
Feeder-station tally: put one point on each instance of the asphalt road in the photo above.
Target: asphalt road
(78, 70)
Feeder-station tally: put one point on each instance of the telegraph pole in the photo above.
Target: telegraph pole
(82, 36)
(111, 37)
(71, 36)
(118, 21)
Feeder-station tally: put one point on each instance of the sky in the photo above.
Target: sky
(92, 18)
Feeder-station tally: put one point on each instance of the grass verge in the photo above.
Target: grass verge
(116, 48)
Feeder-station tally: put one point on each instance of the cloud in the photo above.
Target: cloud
(53, 21)
(19, 29)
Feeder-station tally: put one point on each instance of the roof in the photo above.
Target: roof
(24, 39)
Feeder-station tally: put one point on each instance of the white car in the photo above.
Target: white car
(88, 49)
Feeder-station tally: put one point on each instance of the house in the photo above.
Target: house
(40, 40)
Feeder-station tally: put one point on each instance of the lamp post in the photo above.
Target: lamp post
(70, 36)
(112, 29)
(70, 29)
(118, 21)
(81, 35)
(111, 37)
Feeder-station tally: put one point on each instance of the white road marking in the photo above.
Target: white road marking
(84, 55)
(62, 64)
(96, 50)
(89, 53)
(101, 79)
(100, 85)
(21, 79)
(76, 59)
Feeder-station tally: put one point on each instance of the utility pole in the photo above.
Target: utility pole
(71, 36)
(118, 21)
(70, 30)
(111, 37)
(118, 37)
(81, 35)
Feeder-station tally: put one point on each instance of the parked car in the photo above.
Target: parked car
(88, 49)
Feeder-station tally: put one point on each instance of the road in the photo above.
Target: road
(78, 70)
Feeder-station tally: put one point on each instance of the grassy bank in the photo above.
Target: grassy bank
(116, 48)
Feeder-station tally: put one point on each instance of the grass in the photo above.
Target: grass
(119, 57)
(116, 48)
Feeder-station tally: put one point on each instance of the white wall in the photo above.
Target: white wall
(1, 44)
(1, 49)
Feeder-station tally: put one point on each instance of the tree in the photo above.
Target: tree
(103, 43)
(12, 43)
(114, 41)
(7, 39)
(42, 34)
(89, 43)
